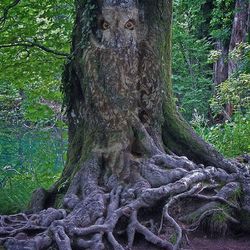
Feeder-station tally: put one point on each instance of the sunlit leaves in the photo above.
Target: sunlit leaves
(192, 74)
(221, 19)
(32, 71)
(236, 91)
(230, 138)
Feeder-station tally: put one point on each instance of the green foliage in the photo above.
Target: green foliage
(190, 15)
(15, 195)
(36, 111)
(25, 149)
(241, 55)
(173, 239)
(192, 73)
(33, 73)
(214, 55)
(237, 195)
(220, 215)
(29, 158)
(221, 21)
(196, 25)
(235, 91)
(230, 138)
(9, 102)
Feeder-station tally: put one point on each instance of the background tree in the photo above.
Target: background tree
(233, 24)
(200, 27)
(200, 71)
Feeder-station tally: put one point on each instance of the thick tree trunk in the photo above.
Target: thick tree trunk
(128, 146)
(154, 53)
(248, 23)
(112, 98)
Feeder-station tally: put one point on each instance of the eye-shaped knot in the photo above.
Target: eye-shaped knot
(105, 25)
(130, 25)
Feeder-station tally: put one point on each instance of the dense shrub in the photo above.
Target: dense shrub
(230, 138)
(29, 158)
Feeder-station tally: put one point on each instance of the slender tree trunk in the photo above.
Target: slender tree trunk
(226, 66)
(238, 36)
(221, 66)
(248, 23)
(221, 74)
(239, 31)
(128, 146)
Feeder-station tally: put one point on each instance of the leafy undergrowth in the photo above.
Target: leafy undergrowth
(230, 138)
(29, 158)
(15, 195)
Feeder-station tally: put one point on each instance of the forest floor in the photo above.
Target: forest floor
(220, 244)
(199, 242)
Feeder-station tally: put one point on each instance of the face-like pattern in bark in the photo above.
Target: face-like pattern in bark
(113, 83)
(117, 64)
(118, 27)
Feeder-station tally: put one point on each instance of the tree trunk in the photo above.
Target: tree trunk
(221, 65)
(226, 66)
(248, 23)
(220, 74)
(239, 31)
(238, 36)
(128, 146)
(115, 102)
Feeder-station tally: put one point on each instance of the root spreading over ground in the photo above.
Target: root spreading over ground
(99, 210)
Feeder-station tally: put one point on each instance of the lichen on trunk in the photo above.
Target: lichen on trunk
(128, 146)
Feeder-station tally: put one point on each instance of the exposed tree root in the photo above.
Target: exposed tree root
(97, 204)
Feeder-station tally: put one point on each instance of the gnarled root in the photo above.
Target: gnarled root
(94, 212)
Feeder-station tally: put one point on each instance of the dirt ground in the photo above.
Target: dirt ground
(204, 243)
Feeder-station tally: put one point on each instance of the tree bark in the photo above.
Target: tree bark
(128, 145)
(226, 66)
(221, 66)
(239, 31)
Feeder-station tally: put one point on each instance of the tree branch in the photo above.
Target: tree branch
(31, 44)
(6, 11)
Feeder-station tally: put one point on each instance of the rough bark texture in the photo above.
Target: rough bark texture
(225, 67)
(128, 146)
(221, 65)
(239, 30)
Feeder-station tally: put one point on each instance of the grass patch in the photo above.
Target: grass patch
(15, 195)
